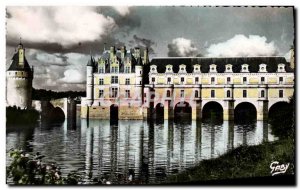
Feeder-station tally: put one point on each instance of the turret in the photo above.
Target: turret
(19, 80)
(90, 81)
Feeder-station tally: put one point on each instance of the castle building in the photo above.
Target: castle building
(19, 80)
(115, 85)
(128, 86)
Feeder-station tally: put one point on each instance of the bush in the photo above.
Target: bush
(26, 169)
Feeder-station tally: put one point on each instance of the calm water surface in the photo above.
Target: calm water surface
(150, 150)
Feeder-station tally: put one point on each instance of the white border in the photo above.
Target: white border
(5, 3)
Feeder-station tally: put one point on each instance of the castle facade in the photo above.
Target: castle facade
(126, 85)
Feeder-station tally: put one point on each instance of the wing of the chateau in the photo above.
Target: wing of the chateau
(126, 82)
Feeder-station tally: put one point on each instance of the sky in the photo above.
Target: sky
(59, 40)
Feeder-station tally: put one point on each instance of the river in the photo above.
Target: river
(149, 151)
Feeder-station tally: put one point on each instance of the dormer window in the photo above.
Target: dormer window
(101, 69)
(213, 68)
(169, 69)
(197, 68)
(182, 68)
(228, 68)
(127, 69)
(245, 68)
(114, 69)
(153, 69)
(263, 68)
(281, 68)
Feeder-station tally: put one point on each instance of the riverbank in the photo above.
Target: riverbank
(242, 162)
(21, 116)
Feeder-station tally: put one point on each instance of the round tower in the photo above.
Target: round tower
(90, 81)
(19, 81)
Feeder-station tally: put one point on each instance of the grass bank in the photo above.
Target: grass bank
(242, 162)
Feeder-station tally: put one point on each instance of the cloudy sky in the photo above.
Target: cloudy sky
(58, 40)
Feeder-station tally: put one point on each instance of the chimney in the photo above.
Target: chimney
(137, 52)
(146, 56)
(123, 51)
(112, 51)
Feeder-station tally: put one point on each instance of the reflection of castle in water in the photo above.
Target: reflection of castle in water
(153, 151)
(150, 151)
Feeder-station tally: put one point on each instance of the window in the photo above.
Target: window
(127, 93)
(244, 93)
(101, 82)
(262, 80)
(101, 69)
(168, 93)
(196, 94)
(153, 79)
(127, 69)
(145, 95)
(196, 80)
(244, 80)
(114, 69)
(182, 93)
(262, 94)
(169, 80)
(182, 79)
(280, 93)
(114, 92)
(127, 81)
(212, 93)
(228, 93)
(280, 80)
(114, 80)
(228, 80)
(212, 80)
(101, 93)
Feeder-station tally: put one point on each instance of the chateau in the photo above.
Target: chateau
(19, 80)
(125, 85)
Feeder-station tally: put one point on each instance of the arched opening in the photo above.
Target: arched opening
(159, 112)
(183, 111)
(212, 111)
(278, 110)
(245, 112)
(114, 112)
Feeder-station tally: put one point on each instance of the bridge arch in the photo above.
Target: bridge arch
(182, 107)
(212, 110)
(245, 111)
(277, 109)
(114, 112)
(159, 110)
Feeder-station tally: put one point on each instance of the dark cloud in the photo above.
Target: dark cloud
(152, 27)
(142, 42)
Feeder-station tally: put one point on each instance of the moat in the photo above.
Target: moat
(151, 151)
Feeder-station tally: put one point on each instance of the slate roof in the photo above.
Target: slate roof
(236, 63)
(15, 64)
(128, 55)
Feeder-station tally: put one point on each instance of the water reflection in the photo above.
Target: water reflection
(144, 151)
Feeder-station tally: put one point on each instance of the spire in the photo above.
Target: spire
(20, 46)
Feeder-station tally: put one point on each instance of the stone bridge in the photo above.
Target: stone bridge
(67, 106)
